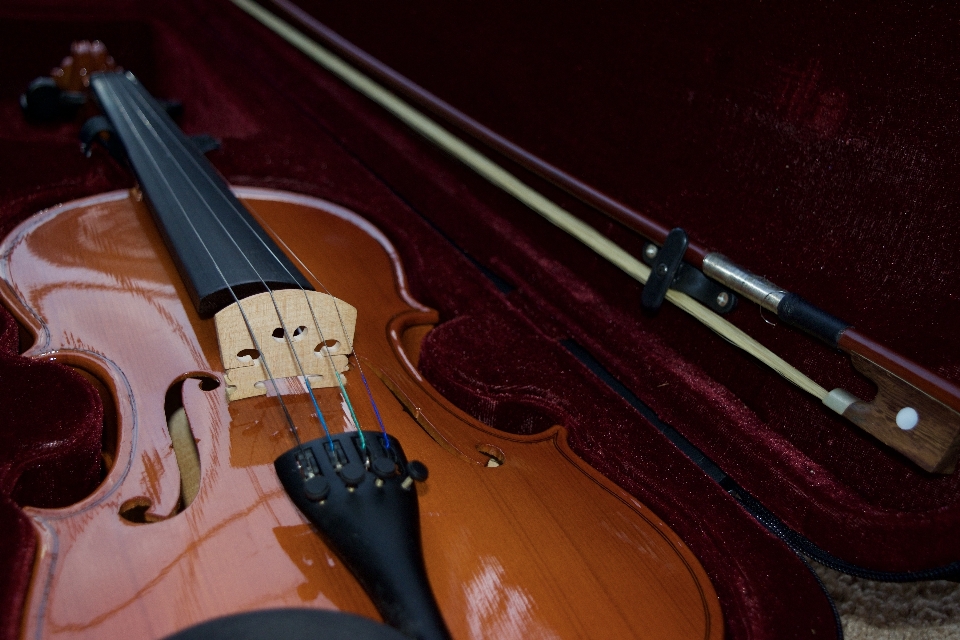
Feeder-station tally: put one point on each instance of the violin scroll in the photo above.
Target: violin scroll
(85, 59)
(62, 94)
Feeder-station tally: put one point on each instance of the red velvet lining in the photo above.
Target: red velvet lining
(50, 441)
(816, 145)
(286, 124)
(18, 546)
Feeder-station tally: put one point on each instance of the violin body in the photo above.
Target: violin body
(541, 546)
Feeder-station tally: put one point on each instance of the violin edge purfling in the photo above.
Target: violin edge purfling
(134, 558)
(462, 511)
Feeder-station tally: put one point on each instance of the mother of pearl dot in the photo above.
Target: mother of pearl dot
(907, 418)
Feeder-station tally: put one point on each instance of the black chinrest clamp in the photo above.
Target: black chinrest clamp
(669, 271)
(45, 101)
(98, 130)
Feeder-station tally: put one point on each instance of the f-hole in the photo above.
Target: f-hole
(184, 449)
(494, 454)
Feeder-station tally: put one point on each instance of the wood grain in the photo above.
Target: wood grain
(539, 547)
(321, 331)
(944, 391)
(932, 444)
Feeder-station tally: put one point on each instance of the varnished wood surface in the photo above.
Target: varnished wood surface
(321, 328)
(934, 441)
(540, 547)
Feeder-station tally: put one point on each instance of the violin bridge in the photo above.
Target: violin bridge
(321, 333)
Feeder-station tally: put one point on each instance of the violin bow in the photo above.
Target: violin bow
(915, 411)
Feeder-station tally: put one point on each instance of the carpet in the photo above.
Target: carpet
(894, 611)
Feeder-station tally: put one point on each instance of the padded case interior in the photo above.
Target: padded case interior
(814, 145)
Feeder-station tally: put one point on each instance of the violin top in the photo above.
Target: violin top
(191, 521)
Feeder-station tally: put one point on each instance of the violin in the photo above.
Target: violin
(276, 463)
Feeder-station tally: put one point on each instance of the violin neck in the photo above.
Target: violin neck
(221, 252)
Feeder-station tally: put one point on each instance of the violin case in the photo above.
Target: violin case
(816, 145)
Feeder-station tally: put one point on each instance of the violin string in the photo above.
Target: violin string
(149, 125)
(350, 347)
(125, 114)
(336, 373)
(286, 332)
(316, 322)
(243, 313)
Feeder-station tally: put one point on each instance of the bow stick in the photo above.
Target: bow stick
(915, 411)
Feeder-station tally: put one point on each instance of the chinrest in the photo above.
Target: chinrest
(281, 624)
